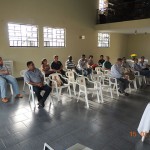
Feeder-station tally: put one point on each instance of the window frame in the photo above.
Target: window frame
(103, 40)
(21, 37)
(51, 40)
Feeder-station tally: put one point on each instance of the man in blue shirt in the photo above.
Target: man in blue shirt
(116, 72)
(34, 77)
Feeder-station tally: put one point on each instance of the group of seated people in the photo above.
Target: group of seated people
(122, 71)
(85, 66)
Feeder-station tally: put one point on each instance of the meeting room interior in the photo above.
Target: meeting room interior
(74, 74)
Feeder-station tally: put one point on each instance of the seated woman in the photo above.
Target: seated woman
(126, 69)
(45, 67)
(125, 64)
(107, 64)
(90, 63)
(137, 67)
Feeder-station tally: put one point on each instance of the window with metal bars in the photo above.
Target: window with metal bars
(21, 35)
(103, 40)
(54, 37)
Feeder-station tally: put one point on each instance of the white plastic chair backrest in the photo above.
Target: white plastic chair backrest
(47, 147)
(71, 76)
(107, 72)
(82, 83)
(54, 76)
(30, 87)
(22, 72)
(98, 70)
(96, 77)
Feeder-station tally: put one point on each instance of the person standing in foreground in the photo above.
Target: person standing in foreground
(6, 78)
(34, 77)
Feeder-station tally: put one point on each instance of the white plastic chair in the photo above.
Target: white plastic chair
(47, 147)
(32, 95)
(96, 78)
(22, 72)
(139, 77)
(81, 81)
(134, 84)
(113, 82)
(71, 78)
(106, 84)
(58, 89)
(99, 70)
(11, 89)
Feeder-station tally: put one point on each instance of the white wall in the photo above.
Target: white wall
(77, 16)
(139, 44)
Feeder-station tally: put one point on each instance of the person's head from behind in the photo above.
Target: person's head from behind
(70, 58)
(1, 61)
(142, 58)
(83, 57)
(123, 59)
(107, 58)
(136, 61)
(44, 62)
(55, 58)
(119, 61)
(90, 57)
(30, 65)
(101, 57)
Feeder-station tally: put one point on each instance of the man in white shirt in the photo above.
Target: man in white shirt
(116, 72)
(82, 66)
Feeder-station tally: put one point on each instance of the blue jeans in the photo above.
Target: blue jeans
(4, 80)
(85, 71)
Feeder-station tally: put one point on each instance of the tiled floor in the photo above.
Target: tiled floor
(103, 127)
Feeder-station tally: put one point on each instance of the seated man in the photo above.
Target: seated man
(116, 72)
(101, 61)
(90, 63)
(137, 67)
(144, 65)
(82, 66)
(34, 77)
(5, 78)
(57, 66)
(107, 64)
(70, 64)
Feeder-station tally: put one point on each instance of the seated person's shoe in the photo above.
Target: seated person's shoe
(5, 100)
(19, 96)
(126, 94)
(121, 92)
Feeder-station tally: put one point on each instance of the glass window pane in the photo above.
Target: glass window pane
(54, 36)
(103, 40)
(19, 35)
